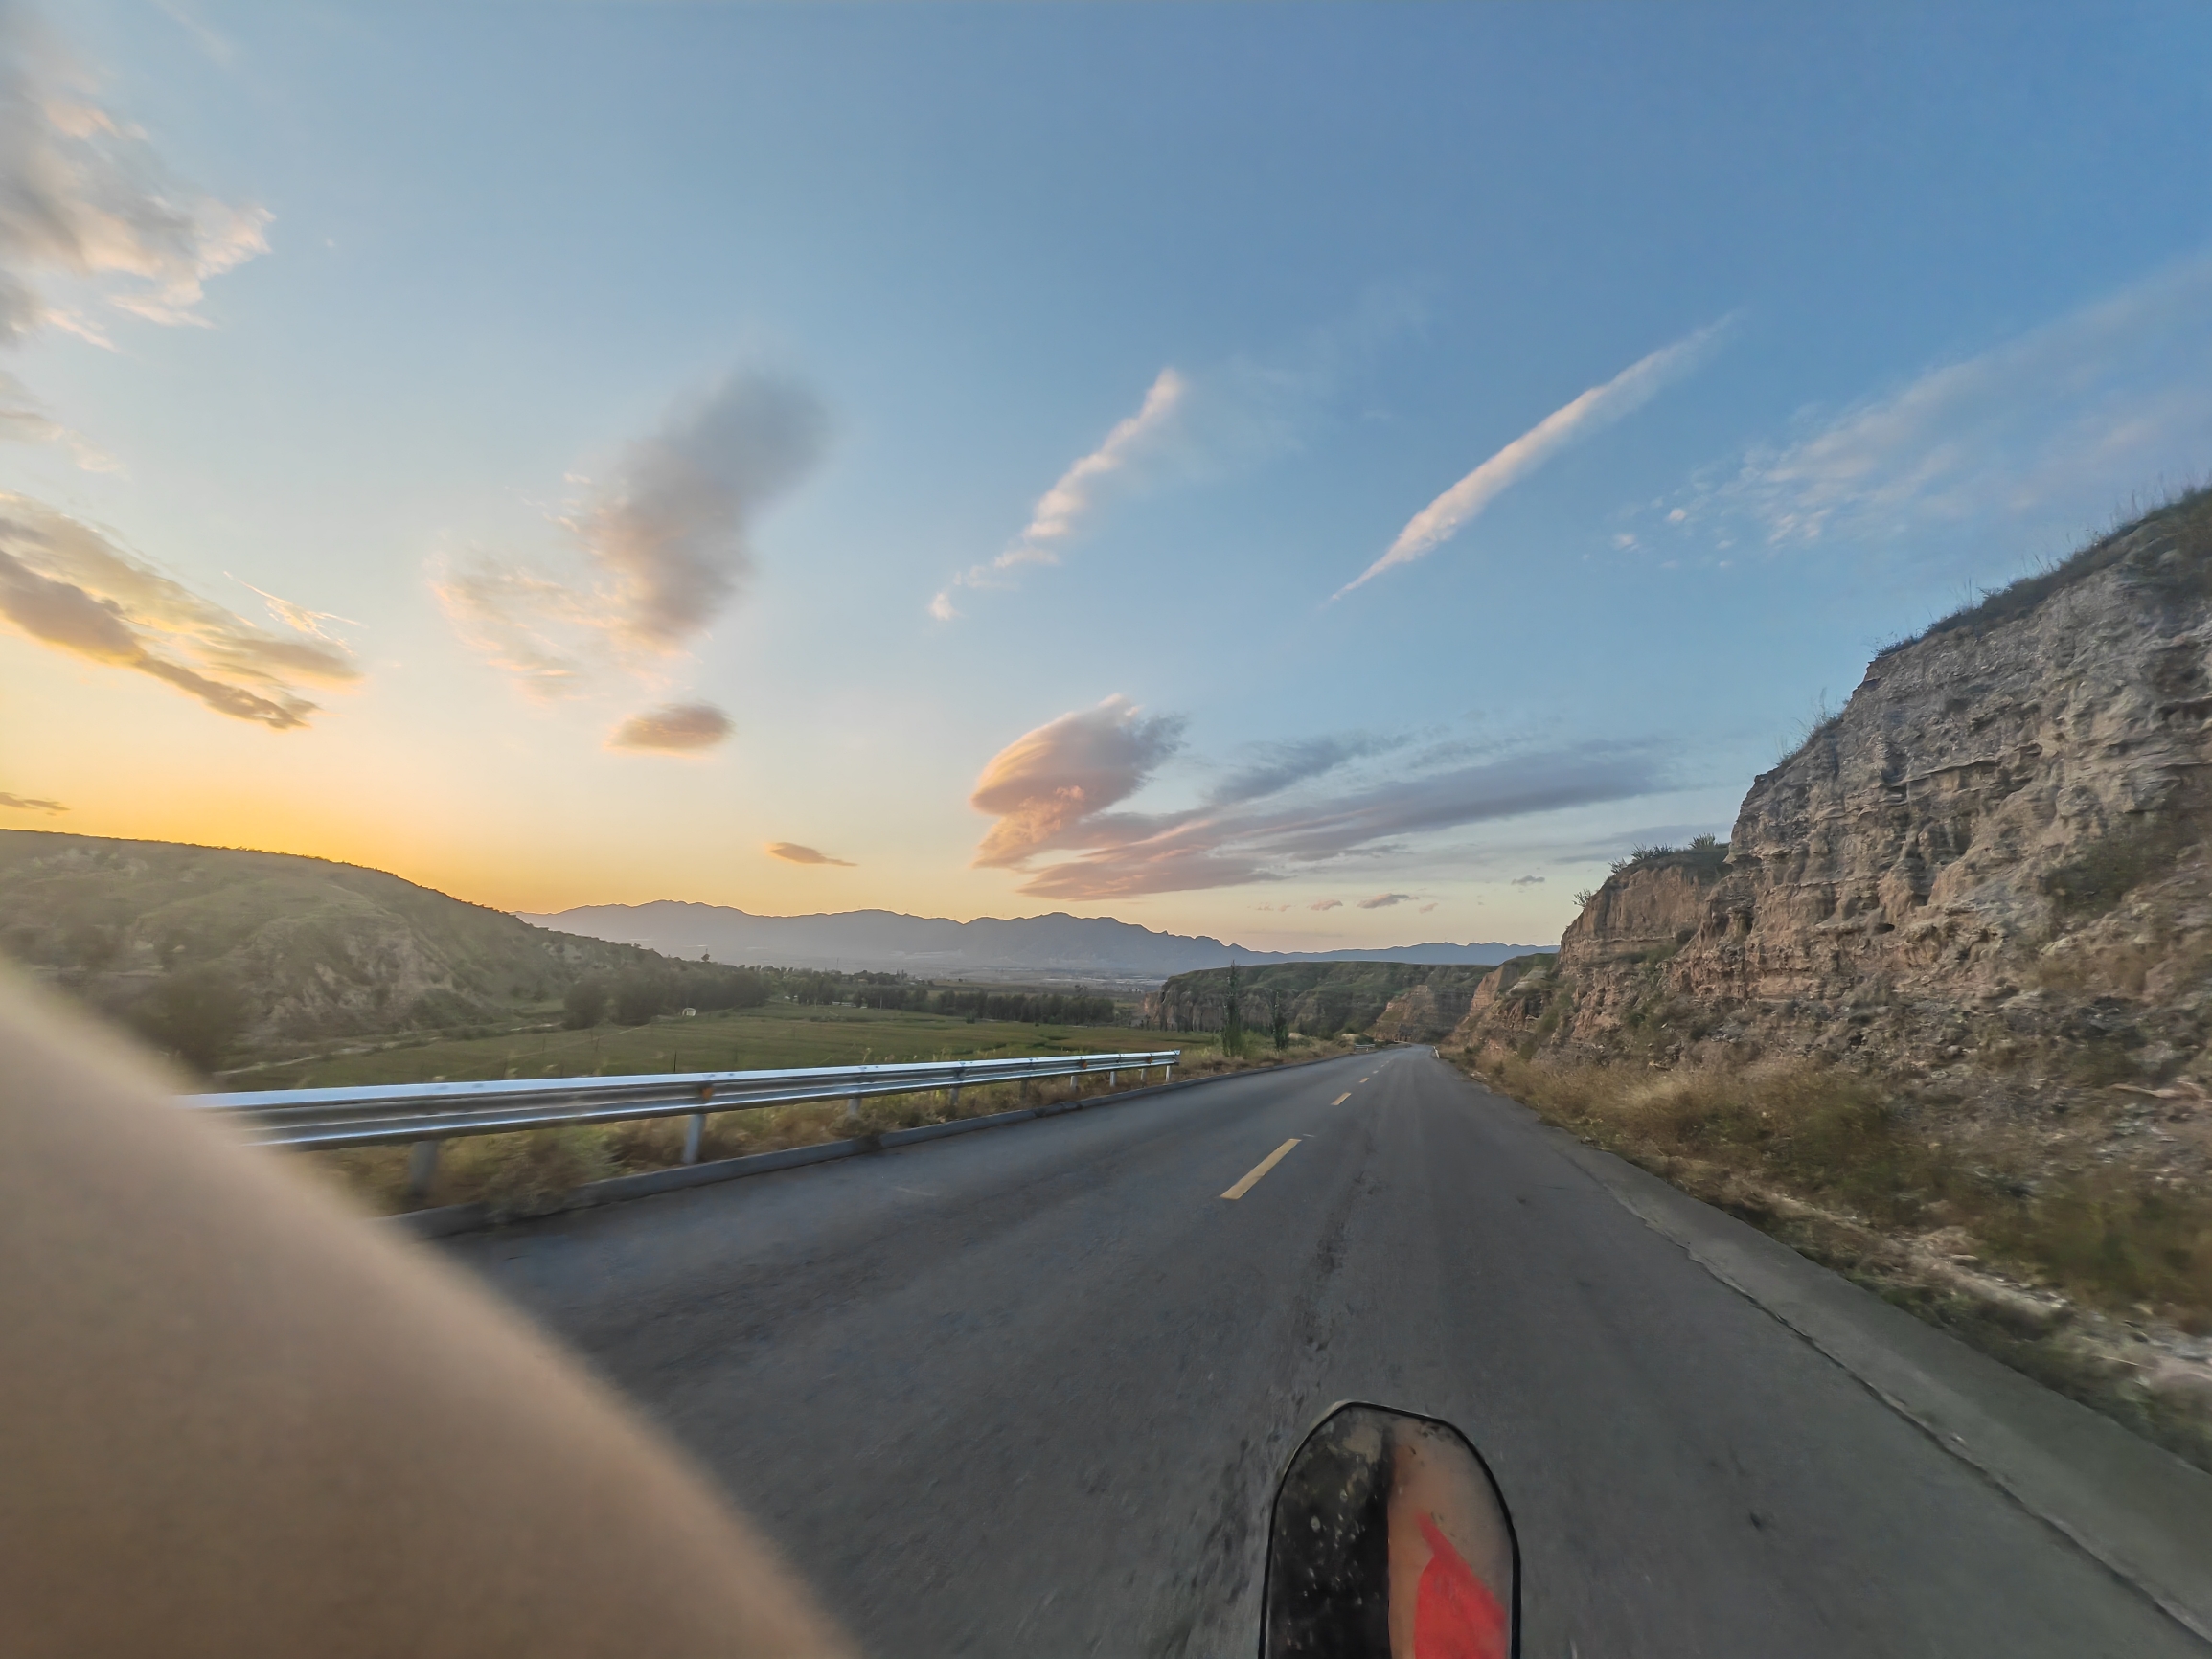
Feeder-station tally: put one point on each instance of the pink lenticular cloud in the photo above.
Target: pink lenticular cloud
(1055, 790)
(1049, 787)
(793, 852)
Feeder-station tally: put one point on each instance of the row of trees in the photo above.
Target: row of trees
(1033, 1007)
(634, 996)
(1273, 1006)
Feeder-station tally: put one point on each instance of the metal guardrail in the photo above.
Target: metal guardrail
(427, 1114)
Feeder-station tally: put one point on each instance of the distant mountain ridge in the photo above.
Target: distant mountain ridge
(889, 941)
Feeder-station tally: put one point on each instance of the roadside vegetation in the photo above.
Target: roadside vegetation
(518, 1173)
(1323, 999)
(1970, 1225)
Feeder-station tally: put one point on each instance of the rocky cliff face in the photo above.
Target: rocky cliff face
(1990, 868)
(1415, 1017)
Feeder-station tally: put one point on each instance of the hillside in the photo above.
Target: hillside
(295, 948)
(1939, 1010)
(1073, 946)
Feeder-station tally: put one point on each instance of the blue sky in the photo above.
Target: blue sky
(943, 438)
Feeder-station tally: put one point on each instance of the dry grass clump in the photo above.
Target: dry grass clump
(1830, 1139)
(521, 1174)
(2115, 1243)
(1974, 1228)
(515, 1174)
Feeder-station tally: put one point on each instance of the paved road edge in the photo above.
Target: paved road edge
(2132, 1507)
(447, 1220)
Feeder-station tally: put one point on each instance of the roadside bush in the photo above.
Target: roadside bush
(197, 1015)
(2105, 1241)
(585, 1005)
(638, 996)
(518, 1173)
(710, 988)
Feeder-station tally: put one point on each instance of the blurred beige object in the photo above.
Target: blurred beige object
(237, 1419)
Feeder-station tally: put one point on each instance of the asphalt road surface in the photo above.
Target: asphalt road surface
(1027, 1392)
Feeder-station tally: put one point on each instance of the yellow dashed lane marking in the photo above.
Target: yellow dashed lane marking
(1341, 1099)
(1261, 1168)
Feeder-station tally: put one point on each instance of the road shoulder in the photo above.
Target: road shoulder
(2136, 1509)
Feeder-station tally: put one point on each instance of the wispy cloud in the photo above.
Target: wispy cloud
(673, 729)
(1385, 900)
(27, 803)
(87, 198)
(544, 634)
(2054, 427)
(1061, 509)
(1201, 423)
(87, 205)
(71, 587)
(669, 540)
(664, 549)
(1055, 790)
(1425, 909)
(1595, 409)
(217, 47)
(1280, 765)
(1326, 904)
(1528, 882)
(298, 617)
(792, 853)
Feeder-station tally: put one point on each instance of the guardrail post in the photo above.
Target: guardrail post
(694, 1127)
(421, 1168)
(954, 1107)
(1168, 1073)
(852, 1108)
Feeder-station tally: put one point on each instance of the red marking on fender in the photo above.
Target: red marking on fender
(1455, 1614)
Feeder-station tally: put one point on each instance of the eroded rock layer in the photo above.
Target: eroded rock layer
(1994, 856)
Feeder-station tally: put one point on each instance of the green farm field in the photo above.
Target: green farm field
(738, 1039)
